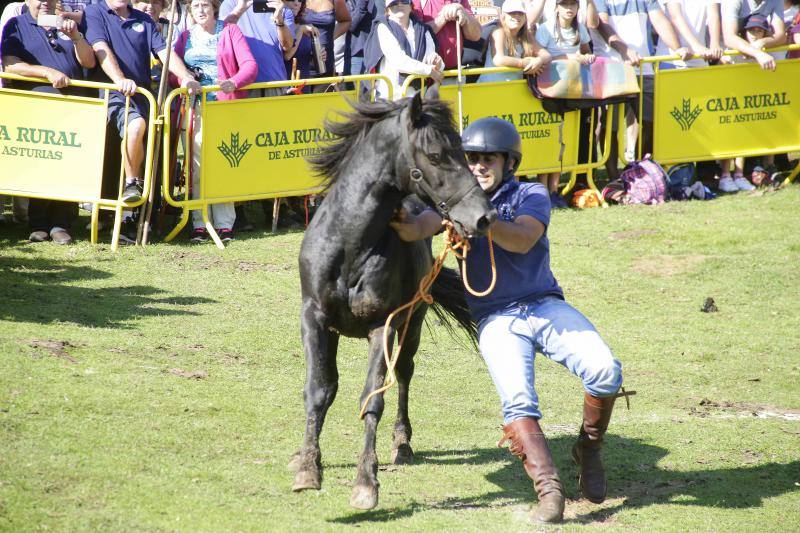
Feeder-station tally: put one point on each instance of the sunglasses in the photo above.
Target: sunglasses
(52, 38)
(402, 2)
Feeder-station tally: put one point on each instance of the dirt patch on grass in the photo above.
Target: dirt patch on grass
(196, 260)
(632, 234)
(188, 374)
(53, 348)
(712, 408)
(667, 265)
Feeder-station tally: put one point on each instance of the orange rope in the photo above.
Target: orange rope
(459, 248)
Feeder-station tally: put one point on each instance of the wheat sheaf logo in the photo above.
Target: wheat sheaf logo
(686, 116)
(235, 152)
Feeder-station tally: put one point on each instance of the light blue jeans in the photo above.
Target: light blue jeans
(509, 341)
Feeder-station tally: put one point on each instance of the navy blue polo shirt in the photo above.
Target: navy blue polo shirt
(521, 278)
(31, 43)
(133, 40)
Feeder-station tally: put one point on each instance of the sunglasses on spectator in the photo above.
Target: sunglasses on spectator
(52, 38)
(400, 2)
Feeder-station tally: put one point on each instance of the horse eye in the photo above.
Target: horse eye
(435, 159)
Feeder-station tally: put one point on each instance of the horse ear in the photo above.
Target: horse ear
(432, 93)
(415, 111)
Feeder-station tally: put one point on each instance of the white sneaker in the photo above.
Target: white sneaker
(743, 184)
(727, 184)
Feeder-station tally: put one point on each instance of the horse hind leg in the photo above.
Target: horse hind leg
(322, 382)
(365, 488)
(402, 453)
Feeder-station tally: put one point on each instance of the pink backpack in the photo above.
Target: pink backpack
(644, 182)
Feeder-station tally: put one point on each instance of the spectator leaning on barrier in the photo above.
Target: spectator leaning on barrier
(218, 55)
(564, 38)
(624, 25)
(442, 16)
(124, 39)
(58, 54)
(302, 51)
(400, 45)
(512, 45)
(332, 19)
(734, 15)
(699, 29)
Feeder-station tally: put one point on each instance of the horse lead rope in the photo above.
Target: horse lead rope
(460, 250)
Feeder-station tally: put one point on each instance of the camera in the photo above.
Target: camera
(261, 6)
(50, 21)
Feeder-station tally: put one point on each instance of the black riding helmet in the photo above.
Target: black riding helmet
(492, 134)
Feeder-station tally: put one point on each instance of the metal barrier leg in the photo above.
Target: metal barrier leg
(276, 209)
(181, 224)
(210, 229)
(94, 222)
(573, 178)
(117, 228)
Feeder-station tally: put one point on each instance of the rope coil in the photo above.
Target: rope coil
(460, 248)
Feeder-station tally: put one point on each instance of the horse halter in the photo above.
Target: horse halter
(416, 178)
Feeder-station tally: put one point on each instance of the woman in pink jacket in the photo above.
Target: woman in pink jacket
(219, 55)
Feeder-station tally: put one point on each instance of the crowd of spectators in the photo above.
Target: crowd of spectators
(233, 43)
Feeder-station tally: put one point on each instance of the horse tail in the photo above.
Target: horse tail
(449, 303)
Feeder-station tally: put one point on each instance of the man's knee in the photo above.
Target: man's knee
(137, 128)
(603, 377)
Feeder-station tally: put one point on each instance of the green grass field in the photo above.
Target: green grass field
(161, 389)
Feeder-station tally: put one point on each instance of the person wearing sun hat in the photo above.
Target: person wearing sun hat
(522, 52)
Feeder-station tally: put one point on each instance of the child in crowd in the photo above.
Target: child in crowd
(756, 28)
(564, 38)
(400, 45)
(512, 45)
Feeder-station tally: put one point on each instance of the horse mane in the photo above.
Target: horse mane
(331, 158)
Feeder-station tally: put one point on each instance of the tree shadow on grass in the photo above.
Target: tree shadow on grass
(35, 290)
(634, 479)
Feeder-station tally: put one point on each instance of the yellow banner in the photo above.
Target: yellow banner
(726, 111)
(257, 146)
(512, 101)
(51, 146)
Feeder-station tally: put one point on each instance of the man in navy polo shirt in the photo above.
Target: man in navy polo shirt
(58, 55)
(124, 39)
(526, 313)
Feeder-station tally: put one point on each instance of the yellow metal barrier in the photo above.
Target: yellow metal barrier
(549, 143)
(255, 148)
(52, 147)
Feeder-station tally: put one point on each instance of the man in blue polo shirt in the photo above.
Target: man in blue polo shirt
(124, 39)
(57, 54)
(525, 313)
(734, 15)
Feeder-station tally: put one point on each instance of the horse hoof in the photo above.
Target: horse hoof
(403, 454)
(305, 480)
(364, 497)
(295, 462)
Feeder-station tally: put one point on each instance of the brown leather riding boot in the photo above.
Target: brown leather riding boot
(586, 452)
(529, 444)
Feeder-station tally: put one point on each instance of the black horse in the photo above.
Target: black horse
(355, 270)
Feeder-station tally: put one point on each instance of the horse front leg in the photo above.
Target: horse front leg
(365, 488)
(322, 382)
(402, 453)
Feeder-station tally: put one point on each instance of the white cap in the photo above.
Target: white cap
(513, 6)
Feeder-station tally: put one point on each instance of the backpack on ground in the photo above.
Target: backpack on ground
(644, 182)
(679, 181)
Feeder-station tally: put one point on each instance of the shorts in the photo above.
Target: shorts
(648, 93)
(139, 108)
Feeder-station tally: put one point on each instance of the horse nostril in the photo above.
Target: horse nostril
(483, 224)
